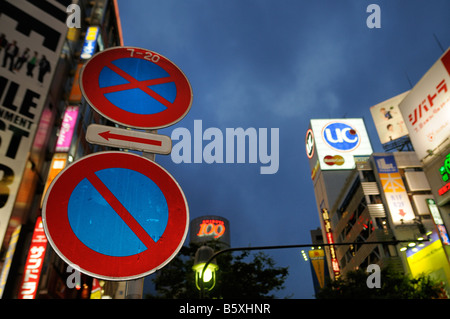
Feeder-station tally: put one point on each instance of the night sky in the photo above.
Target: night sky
(277, 64)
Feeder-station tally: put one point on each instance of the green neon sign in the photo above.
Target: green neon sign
(445, 169)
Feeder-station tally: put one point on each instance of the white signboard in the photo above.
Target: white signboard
(394, 190)
(388, 119)
(128, 139)
(31, 37)
(338, 140)
(426, 109)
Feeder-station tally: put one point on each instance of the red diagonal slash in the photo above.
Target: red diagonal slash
(123, 213)
(107, 135)
(133, 84)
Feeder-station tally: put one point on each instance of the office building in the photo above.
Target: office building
(367, 197)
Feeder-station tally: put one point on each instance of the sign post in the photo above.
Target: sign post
(117, 215)
(134, 288)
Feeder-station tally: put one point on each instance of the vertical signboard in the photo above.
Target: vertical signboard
(330, 240)
(75, 92)
(388, 119)
(442, 230)
(317, 257)
(59, 162)
(394, 190)
(31, 35)
(426, 109)
(90, 42)
(67, 128)
(33, 265)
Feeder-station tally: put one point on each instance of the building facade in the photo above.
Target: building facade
(380, 198)
(43, 122)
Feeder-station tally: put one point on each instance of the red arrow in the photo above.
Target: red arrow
(107, 135)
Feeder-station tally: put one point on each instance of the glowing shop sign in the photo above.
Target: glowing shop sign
(211, 227)
(330, 240)
(434, 210)
(445, 174)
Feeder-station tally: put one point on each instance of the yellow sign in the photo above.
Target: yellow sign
(431, 260)
(317, 257)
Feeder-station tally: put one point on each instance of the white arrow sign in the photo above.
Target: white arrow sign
(128, 139)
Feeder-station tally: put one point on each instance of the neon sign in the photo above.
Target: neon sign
(330, 240)
(445, 174)
(212, 227)
(67, 128)
(34, 263)
(90, 43)
(445, 169)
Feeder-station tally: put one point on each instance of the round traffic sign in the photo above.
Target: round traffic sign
(136, 88)
(115, 215)
(309, 142)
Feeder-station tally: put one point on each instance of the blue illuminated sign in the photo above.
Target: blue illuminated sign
(341, 136)
(90, 43)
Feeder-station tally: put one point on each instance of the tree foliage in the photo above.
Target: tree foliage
(394, 285)
(241, 275)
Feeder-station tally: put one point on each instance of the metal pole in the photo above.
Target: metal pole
(135, 288)
(393, 242)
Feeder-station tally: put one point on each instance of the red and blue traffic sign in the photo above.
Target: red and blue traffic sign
(115, 215)
(136, 88)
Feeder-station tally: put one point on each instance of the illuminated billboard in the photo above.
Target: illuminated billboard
(330, 240)
(394, 189)
(32, 37)
(35, 260)
(337, 141)
(435, 213)
(90, 42)
(388, 119)
(426, 108)
(59, 162)
(430, 259)
(67, 128)
(210, 228)
(317, 257)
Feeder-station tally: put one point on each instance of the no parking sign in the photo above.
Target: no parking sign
(116, 215)
(136, 88)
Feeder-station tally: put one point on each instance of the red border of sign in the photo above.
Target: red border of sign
(74, 252)
(89, 86)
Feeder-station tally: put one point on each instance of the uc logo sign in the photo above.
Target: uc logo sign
(341, 137)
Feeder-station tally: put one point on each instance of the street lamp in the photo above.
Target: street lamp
(205, 279)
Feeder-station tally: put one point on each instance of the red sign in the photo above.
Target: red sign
(444, 189)
(136, 88)
(330, 240)
(35, 260)
(116, 215)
